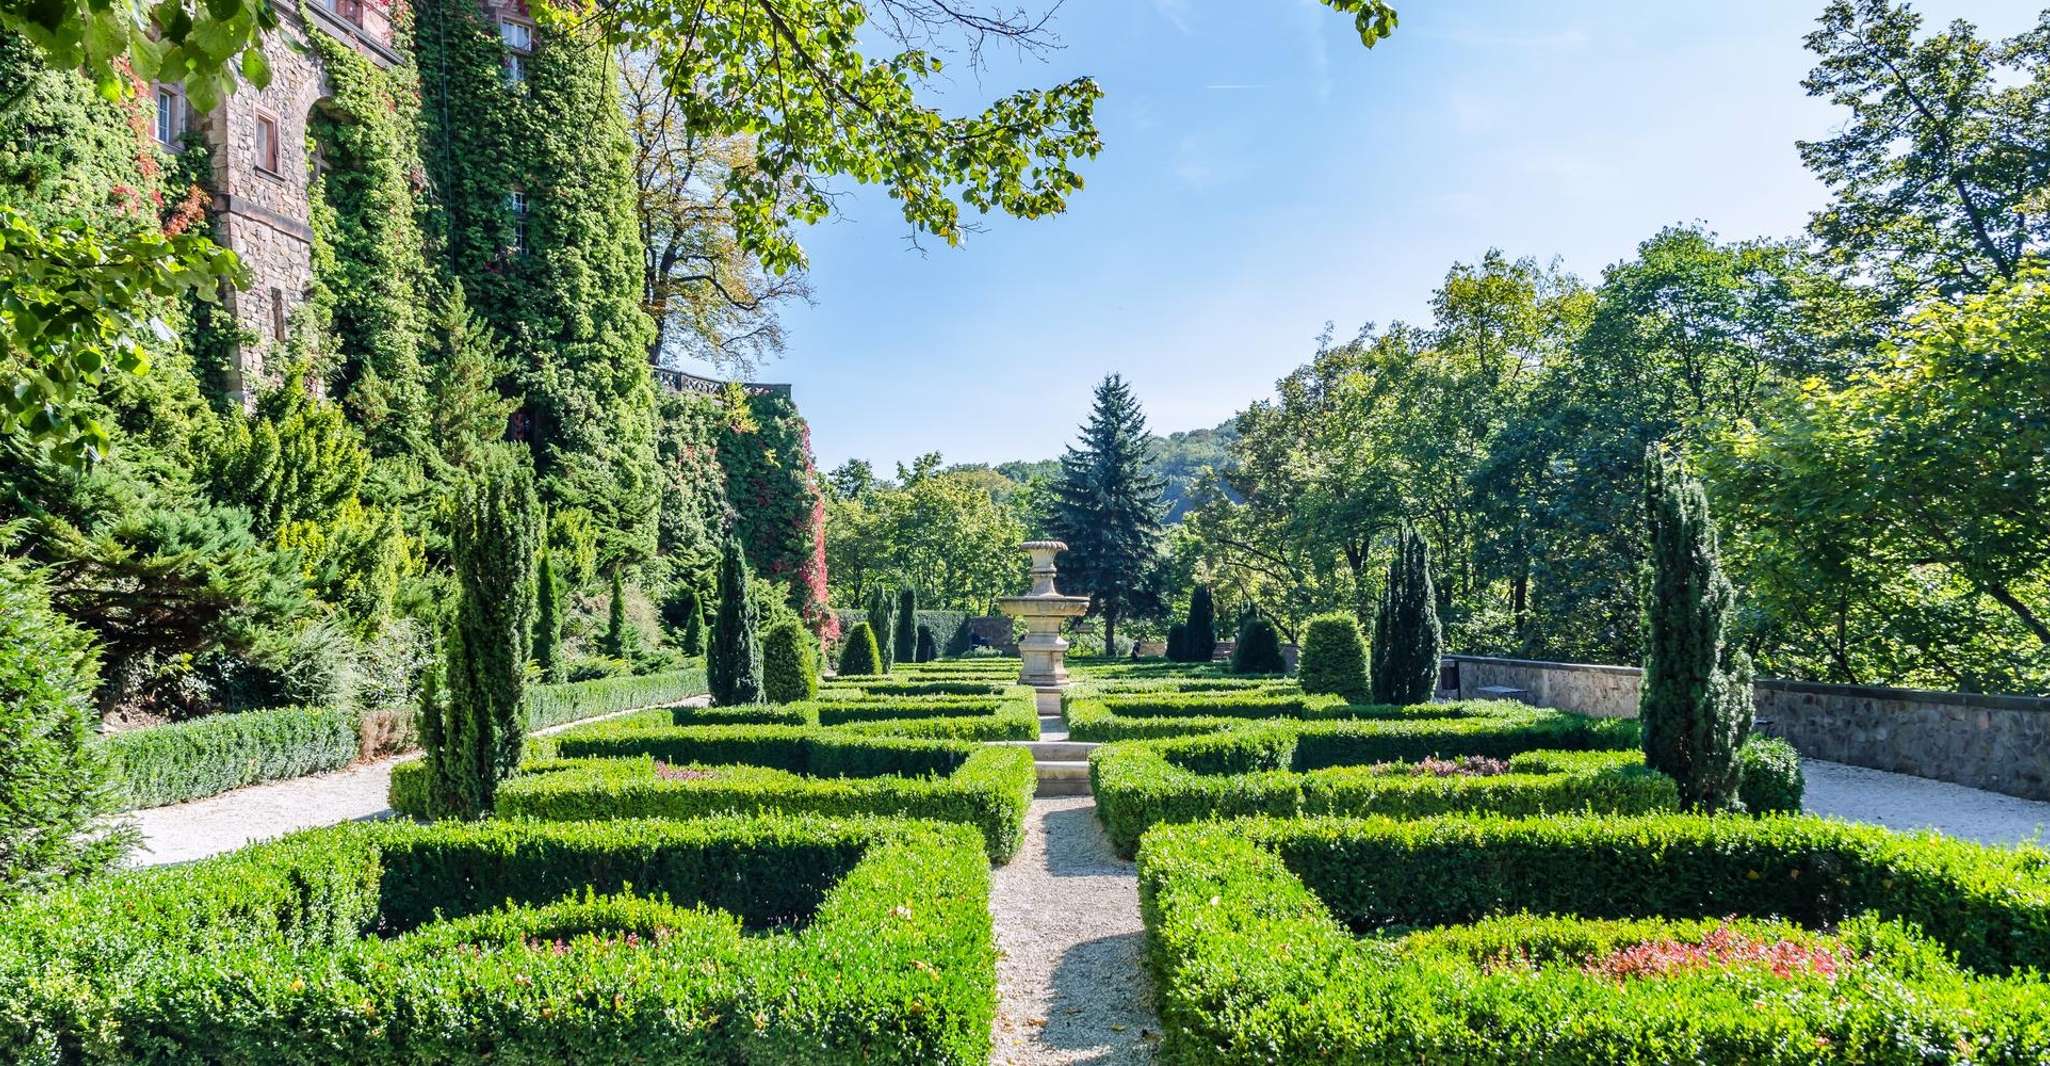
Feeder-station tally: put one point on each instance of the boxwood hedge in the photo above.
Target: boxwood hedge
(1930, 943)
(1157, 715)
(760, 940)
(1010, 714)
(1139, 784)
(611, 773)
(191, 760)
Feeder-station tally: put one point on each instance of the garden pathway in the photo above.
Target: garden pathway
(182, 832)
(1898, 801)
(1071, 985)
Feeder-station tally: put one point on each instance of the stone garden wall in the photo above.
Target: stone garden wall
(1999, 743)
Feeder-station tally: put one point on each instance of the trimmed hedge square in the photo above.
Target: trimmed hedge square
(609, 771)
(1008, 714)
(824, 941)
(1139, 784)
(1667, 938)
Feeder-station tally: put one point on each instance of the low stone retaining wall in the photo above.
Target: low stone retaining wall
(1998, 743)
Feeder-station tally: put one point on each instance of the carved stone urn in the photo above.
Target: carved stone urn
(1043, 652)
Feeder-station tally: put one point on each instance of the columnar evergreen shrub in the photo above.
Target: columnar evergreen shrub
(1334, 657)
(882, 612)
(1695, 699)
(621, 640)
(548, 621)
(904, 628)
(53, 780)
(1199, 640)
(735, 659)
(694, 627)
(1258, 650)
(474, 718)
(1178, 642)
(928, 648)
(1407, 641)
(790, 664)
(859, 656)
(1769, 776)
(473, 721)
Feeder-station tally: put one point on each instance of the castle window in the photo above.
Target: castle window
(516, 206)
(518, 38)
(267, 143)
(170, 116)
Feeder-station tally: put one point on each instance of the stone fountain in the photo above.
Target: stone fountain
(1044, 609)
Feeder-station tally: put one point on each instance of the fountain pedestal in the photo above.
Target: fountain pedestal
(1043, 652)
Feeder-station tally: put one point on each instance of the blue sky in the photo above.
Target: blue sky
(1263, 174)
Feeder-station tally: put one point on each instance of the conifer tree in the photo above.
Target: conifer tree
(735, 659)
(790, 663)
(467, 415)
(1694, 704)
(620, 637)
(1258, 648)
(1334, 657)
(1178, 642)
(1407, 641)
(548, 620)
(882, 613)
(904, 647)
(480, 701)
(928, 646)
(1108, 507)
(1199, 635)
(859, 657)
(694, 627)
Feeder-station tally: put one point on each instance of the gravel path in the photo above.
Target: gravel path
(182, 832)
(1071, 987)
(1899, 801)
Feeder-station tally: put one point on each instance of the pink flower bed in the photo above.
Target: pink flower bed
(1722, 949)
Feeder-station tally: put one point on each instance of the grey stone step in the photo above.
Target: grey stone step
(1063, 778)
(1054, 750)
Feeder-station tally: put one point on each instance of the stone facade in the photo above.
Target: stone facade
(261, 197)
(1998, 743)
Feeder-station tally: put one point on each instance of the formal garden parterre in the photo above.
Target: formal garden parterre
(773, 939)
(1659, 938)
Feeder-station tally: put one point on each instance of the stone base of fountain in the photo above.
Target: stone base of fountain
(1043, 651)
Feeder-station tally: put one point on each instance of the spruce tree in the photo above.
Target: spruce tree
(1407, 641)
(480, 701)
(1107, 506)
(882, 611)
(548, 620)
(1199, 636)
(905, 642)
(859, 656)
(735, 660)
(1694, 703)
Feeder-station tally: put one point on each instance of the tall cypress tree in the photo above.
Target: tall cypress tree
(548, 619)
(1199, 634)
(882, 613)
(735, 660)
(904, 645)
(1407, 641)
(1694, 704)
(1107, 507)
(620, 637)
(480, 700)
(694, 627)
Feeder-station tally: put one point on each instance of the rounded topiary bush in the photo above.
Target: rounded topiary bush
(1334, 657)
(859, 655)
(1769, 776)
(790, 667)
(54, 783)
(1258, 650)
